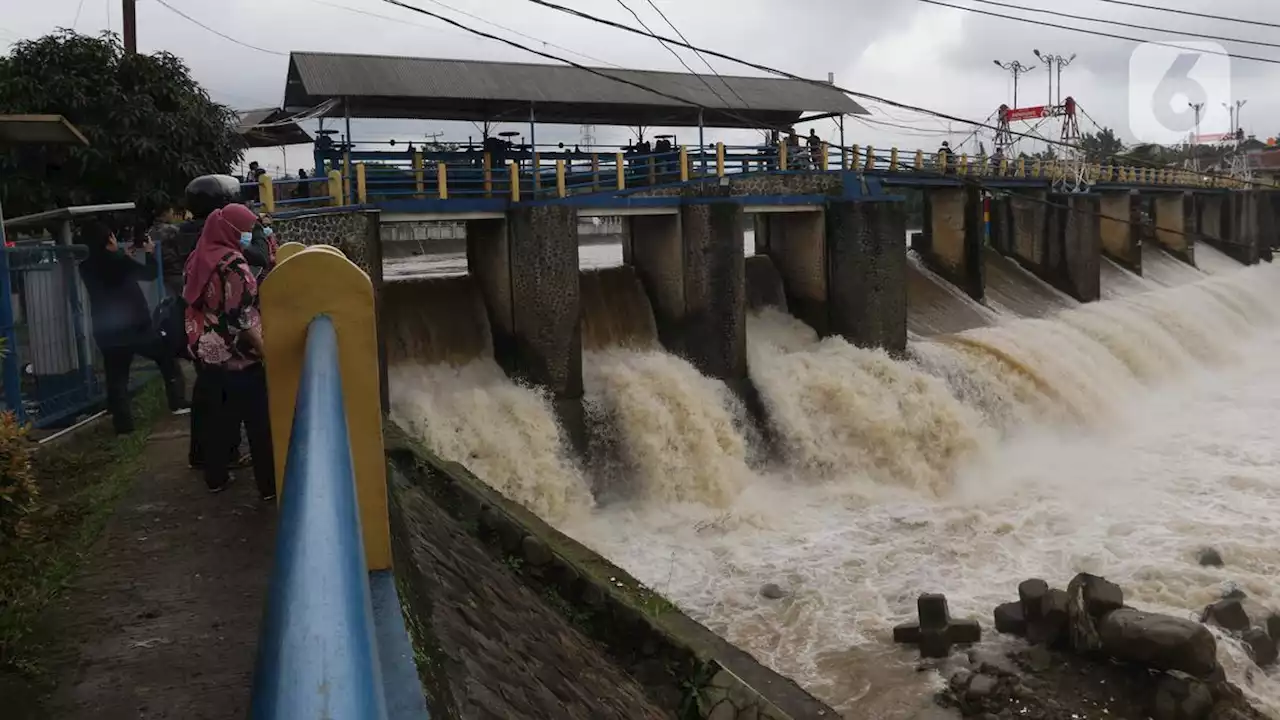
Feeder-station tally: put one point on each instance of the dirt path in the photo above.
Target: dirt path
(163, 622)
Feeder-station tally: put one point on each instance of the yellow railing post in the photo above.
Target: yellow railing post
(893, 159)
(620, 164)
(362, 195)
(514, 171)
(419, 178)
(719, 159)
(942, 162)
(782, 154)
(442, 180)
(537, 174)
(595, 171)
(963, 168)
(346, 178)
(855, 153)
(684, 163)
(822, 164)
(266, 193)
(560, 188)
(1037, 170)
(980, 164)
(335, 188)
(1022, 167)
(871, 159)
(919, 160)
(1004, 166)
(488, 175)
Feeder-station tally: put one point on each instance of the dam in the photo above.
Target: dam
(732, 440)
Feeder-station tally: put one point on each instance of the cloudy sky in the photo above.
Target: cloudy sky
(907, 50)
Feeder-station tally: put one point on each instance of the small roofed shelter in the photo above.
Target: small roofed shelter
(381, 86)
(39, 130)
(270, 127)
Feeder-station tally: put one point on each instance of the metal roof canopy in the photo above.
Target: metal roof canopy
(66, 213)
(277, 134)
(379, 86)
(39, 129)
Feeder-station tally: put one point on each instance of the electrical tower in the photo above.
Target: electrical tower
(587, 137)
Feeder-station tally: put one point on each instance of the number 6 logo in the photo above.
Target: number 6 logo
(1167, 79)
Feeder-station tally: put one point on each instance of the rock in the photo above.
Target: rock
(535, 552)
(1273, 626)
(1101, 596)
(1227, 614)
(1233, 592)
(1050, 629)
(773, 591)
(981, 687)
(1178, 699)
(1010, 620)
(1031, 595)
(1082, 631)
(1210, 557)
(959, 680)
(1038, 659)
(1261, 646)
(992, 662)
(1158, 641)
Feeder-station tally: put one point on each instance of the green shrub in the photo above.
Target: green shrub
(19, 494)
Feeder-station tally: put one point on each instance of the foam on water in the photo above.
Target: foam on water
(503, 432)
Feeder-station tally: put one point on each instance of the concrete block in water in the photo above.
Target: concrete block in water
(867, 273)
(1080, 275)
(655, 248)
(1119, 230)
(798, 248)
(1174, 215)
(955, 232)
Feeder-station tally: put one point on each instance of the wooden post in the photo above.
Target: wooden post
(418, 175)
(560, 188)
(620, 164)
(720, 159)
(361, 190)
(266, 193)
(488, 175)
(442, 180)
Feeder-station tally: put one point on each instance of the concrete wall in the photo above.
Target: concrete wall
(1240, 234)
(867, 273)
(1214, 216)
(654, 245)
(954, 234)
(764, 284)
(1080, 275)
(1057, 237)
(715, 290)
(1175, 219)
(489, 263)
(1119, 229)
(685, 669)
(796, 242)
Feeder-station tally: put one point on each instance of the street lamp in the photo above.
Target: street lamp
(1017, 69)
(1055, 60)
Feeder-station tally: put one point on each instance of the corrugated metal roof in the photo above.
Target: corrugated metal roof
(473, 88)
(267, 127)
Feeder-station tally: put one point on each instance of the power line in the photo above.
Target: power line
(700, 55)
(76, 22)
(792, 76)
(1099, 33)
(1189, 13)
(220, 34)
(1135, 26)
(673, 52)
(517, 33)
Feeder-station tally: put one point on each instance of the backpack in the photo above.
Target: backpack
(170, 323)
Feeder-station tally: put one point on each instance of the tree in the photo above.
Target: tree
(1101, 146)
(150, 126)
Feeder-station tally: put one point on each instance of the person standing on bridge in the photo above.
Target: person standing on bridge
(224, 333)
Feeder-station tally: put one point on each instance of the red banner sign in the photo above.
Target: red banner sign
(1026, 113)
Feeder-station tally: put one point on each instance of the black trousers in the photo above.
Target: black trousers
(199, 431)
(116, 361)
(232, 398)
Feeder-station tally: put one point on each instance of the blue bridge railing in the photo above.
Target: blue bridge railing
(317, 657)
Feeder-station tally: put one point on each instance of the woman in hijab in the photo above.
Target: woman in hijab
(122, 321)
(224, 333)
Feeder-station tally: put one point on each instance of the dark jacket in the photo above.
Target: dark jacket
(176, 252)
(121, 316)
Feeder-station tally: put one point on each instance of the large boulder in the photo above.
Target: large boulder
(1228, 614)
(1261, 646)
(1162, 642)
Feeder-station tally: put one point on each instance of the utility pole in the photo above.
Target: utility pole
(1195, 139)
(1017, 69)
(130, 26)
(1233, 111)
(1052, 62)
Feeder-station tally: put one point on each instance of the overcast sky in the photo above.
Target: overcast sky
(906, 50)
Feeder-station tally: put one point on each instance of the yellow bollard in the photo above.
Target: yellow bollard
(1022, 167)
(560, 188)
(513, 171)
(442, 180)
(719, 159)
(335, 188)
(854, 154)
(620, 164)
(488, 175)
(942, 163)
(963, 167)
(782, 154)
(266, 193)
(871, 159)
(919, 160)
(684, 164)
(822, 153)
(893, 159)
(362, 195)
(1004, 166)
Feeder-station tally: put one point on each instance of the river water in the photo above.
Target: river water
(1118, 438)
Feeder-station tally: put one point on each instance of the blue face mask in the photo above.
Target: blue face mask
(245, 239)
(268, 232)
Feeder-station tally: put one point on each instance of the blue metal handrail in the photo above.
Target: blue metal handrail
(317, 654)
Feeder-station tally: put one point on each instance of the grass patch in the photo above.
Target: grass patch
(80, 481)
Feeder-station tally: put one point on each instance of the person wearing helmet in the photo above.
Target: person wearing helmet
(204, 195)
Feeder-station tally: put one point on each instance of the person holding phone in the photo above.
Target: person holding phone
(122, 325)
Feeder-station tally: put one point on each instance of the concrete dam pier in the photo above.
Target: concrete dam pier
(901, 388)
